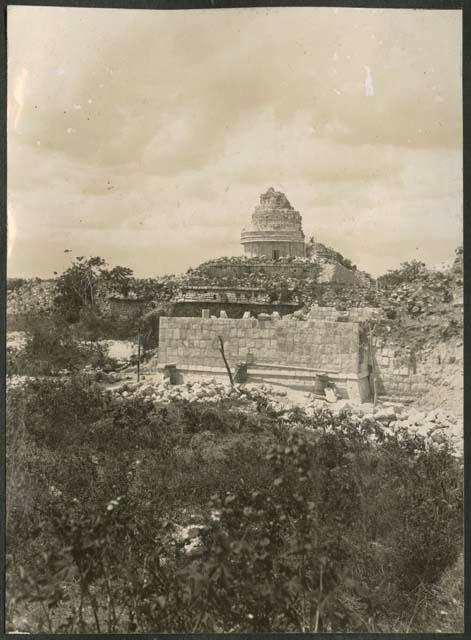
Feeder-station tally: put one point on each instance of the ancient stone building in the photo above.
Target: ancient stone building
(276, 229)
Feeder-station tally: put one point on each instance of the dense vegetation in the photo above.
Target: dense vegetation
(306, 523)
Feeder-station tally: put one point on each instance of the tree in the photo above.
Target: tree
(119, 279)
(407, 272)
(78, 287)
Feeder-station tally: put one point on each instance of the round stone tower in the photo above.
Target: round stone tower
(276, 229)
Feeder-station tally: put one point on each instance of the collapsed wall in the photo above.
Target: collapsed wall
(288, 352)
(432, 377)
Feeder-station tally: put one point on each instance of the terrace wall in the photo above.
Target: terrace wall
(333, 346)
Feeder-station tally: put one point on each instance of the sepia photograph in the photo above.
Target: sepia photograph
(234, 320)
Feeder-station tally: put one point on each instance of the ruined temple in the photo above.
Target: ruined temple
(276, 229)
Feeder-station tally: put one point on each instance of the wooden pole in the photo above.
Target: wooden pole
(139, 355)
(228, 369)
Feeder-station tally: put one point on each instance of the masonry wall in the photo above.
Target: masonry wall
(329, 346)
(222, 294)
(287, 270)
(266, 248)
(127, 308)
(436, 371)
(325, 272)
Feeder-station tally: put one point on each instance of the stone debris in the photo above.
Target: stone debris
(205, 391)
(436, 426)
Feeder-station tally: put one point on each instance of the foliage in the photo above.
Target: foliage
(79, 286)
(149, 325)
(51, 347)
(13, 284)
(312, 523)
(407, 272)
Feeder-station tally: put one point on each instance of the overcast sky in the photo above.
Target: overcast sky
(146, 137)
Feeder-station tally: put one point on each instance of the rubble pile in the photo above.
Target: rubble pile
(33, 297)
(418, 298)
(204, 391)
(436, 426)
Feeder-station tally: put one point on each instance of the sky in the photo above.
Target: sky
(147, 137)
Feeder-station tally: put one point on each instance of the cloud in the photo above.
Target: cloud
(150, 135)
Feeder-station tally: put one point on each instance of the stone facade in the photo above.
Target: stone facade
(209, 293)
(276, 229)
(280, 351)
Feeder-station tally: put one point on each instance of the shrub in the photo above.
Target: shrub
(311, 524)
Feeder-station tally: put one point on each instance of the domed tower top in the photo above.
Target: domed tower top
(276, 228)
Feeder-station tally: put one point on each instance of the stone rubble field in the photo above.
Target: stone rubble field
(437, 426)
(204, 391)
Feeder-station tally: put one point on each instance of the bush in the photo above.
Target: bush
(312, 523)
(52, 346)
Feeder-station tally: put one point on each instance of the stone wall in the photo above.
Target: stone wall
(254, 248)
(286, 270)
(326, 273)
(223, 294)
(285, 353)
(437, 371)
(329, 346)
(127, 308)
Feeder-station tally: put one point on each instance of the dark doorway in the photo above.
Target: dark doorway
(276, 254)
